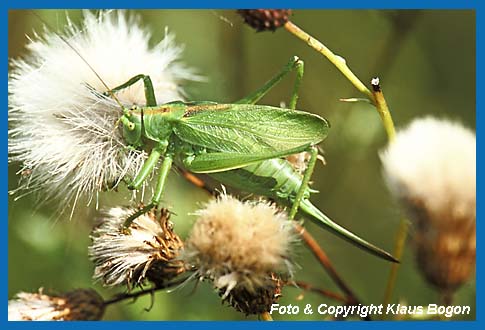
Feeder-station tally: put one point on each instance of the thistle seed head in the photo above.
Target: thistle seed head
(431, 169)
(257, 300)
(147, 249)
(63, 131)
(241, 247)
(77, 305)
(265, 19)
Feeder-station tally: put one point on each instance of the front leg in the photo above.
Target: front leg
(162, 178)
(149, 165)
(146, 169)
(151, 101)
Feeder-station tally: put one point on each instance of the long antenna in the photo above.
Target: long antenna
(110, 92)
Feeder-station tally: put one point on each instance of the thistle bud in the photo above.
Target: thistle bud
(147, 249)
(243, 248)
(265, 19)
(431, 169)
(77, 305)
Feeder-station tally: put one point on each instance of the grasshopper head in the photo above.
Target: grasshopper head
(132, 128)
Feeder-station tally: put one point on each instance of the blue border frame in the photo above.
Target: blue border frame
(219, 4)
(354, 4)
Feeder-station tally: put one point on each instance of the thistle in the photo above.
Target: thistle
(431, 169)
(147, 250)
(243, 248)
(77, 305)
(265, 19)
(63, 130)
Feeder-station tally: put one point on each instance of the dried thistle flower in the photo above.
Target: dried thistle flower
(63, 132)
(265, 19)
(243, 248)
(148, 249)
(77, 305)
(257, 300)
(431, 169)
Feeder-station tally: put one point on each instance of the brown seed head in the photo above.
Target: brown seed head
(265, 19)
(77, 305)
(255, 301)
(239, 246)
(445, 251)
(148, 249)
(431, 170)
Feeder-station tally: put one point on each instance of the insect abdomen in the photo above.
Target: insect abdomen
(274, 178)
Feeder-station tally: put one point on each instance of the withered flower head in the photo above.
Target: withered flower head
(77, 305)
(244, 249)
(431, 169)
(148, 249)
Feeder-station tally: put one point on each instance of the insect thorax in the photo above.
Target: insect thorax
(158, 121)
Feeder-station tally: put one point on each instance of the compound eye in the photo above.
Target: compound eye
(134, 108)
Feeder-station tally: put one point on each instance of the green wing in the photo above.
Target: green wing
(249, 129)
(213, 162)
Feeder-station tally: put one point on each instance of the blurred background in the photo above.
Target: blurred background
(426, 63)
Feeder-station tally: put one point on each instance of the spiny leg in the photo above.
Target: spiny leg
(162, 179)
(146, 169)
(304, 183)
(148, 166)
(294, 63)
(151, 101)
(300, 68)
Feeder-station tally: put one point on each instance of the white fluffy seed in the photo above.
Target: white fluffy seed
(63, 133)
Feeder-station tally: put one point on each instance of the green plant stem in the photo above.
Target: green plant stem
(376, 97)
(266, 316)
(338, 61)
(383, 109)
(398, 252)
